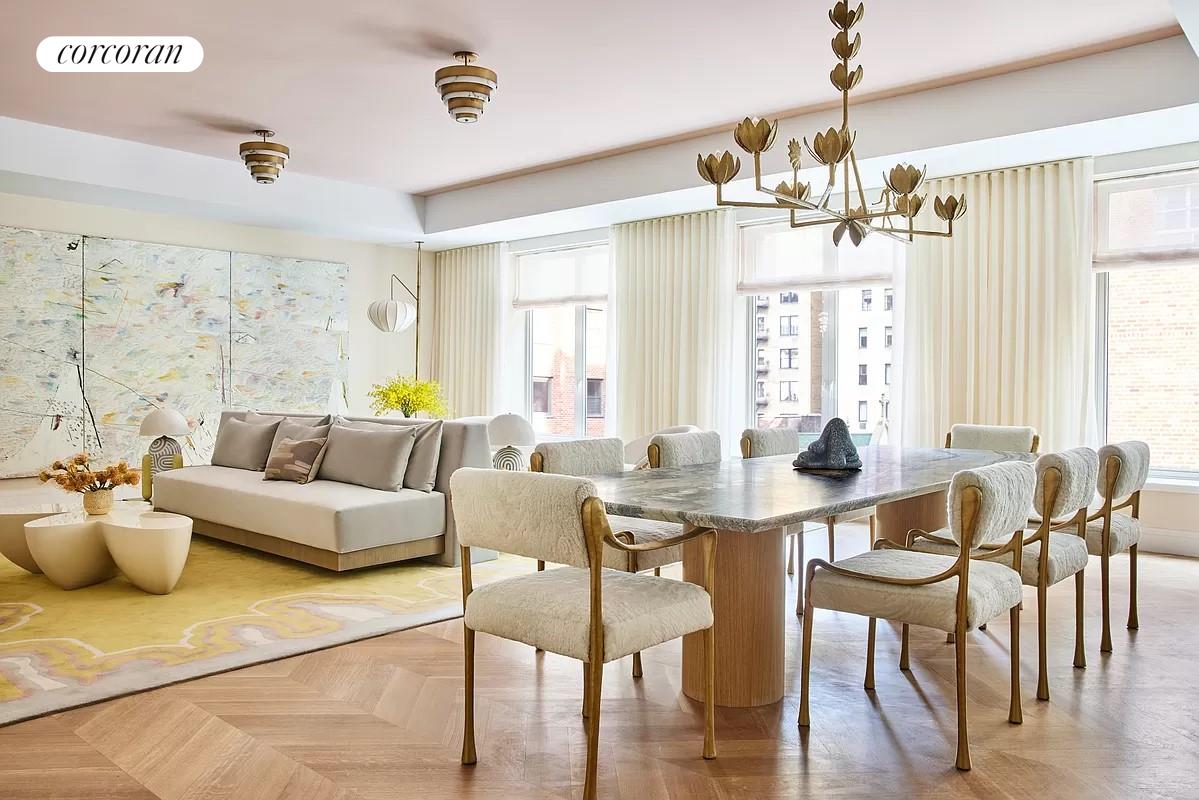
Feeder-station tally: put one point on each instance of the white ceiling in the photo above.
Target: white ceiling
(349, 84)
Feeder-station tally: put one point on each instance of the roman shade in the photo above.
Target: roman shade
(557, 277)
(776, 256)
(1147, 221)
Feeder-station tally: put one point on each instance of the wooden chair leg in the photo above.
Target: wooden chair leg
(1080, 653)
(657, 572)
(1015, 714)
(799, 575)
(709, 693)
(593, 718)
(870, 522)
(586, 690)
(1105, 642)
(541, 568)
(637, 665)
(805, 666)
(791, 554)
(949, 637)
(1042, 656)
(468, 729)
(904, 663)
(870, 636)
(832, 544)
(1133, 622)
(982, 627)
(959, 641)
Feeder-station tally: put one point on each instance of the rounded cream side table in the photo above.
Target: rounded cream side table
(12, 532)
(150, 548)
(70, 549)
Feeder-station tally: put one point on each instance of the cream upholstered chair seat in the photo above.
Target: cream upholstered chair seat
(643, 530)
(1067, 555)
(1125, 532)
(991, 590)
(549, 610)
(1012, 438)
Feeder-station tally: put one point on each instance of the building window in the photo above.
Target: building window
(862, 372)
(761, 393)
(888, 300)
(861, 338)
(887, 374)
(863, 414)
(789, 358)
(867, 299)
(595, 397)
(788, 391)
(541, 395)
(789, 326)
(789, 297)
(888, 336)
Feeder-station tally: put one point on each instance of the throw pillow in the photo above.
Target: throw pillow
(374, 458)
(254, 418)
(296, 460)
(426, 450)
(243, 445)
(297, 430)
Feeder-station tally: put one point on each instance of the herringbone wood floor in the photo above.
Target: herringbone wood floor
(382, 719)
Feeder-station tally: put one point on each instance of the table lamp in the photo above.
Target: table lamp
(165, 452)
(510, 431)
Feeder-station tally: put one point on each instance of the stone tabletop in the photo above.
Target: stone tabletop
(758, 494)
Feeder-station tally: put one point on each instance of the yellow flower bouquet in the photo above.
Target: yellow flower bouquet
(409, 396)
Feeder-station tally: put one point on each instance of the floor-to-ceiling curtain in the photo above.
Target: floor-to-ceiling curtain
(672, 301)
(466, 327)
(997, 321)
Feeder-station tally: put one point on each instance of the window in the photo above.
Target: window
(886, 374)
(888, 300)
(863, 414)
(595, 397)
(819, 288)
(888, 336)
(1147, 263)
(541, 395)
(861, 338)
(563, 292)
(862, 372)
(866, 299)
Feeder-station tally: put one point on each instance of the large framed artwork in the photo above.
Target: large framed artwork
(96, 332)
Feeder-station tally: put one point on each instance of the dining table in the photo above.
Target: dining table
(750, 503)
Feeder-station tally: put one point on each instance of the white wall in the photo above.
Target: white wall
(373, 354)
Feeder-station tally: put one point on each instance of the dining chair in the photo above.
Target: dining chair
(683, 449)
(599, 457)
(582, 610)
(634, 451)
(1123, 470)
(951, 593)
(1063, 490)
(1011, 438)
(759, 442)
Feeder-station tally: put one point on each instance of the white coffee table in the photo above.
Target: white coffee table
(76, 549)
(12, 531)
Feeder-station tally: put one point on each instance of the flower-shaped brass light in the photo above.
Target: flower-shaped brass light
(718, 170)
(844, 79)
(800, 191)
(831, 146)
(856, 230)
(844, 17)
(909, 205)
(845, 49)
(794, 151)
(755, 135)
(950, 208)
(904, 178)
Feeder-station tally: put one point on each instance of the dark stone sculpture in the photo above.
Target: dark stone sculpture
(834, 450)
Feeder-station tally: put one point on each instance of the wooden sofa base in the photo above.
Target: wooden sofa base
(340, 562)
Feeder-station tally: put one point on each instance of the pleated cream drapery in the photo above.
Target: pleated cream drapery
(671, 310)
(997, 323)
(466, 327)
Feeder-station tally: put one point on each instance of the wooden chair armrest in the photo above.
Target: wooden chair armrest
(952, 572)
(616, 540)
(887, 544)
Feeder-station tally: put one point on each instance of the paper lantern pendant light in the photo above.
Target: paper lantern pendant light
(392, 316)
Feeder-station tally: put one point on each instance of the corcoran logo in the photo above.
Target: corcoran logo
(119, 54)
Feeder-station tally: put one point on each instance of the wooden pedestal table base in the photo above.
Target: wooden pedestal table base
(925, 511)
(749, 609)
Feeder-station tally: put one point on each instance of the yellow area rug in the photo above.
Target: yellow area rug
(232, 607)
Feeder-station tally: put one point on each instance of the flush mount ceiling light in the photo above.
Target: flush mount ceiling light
(464, 88)
(264, 159)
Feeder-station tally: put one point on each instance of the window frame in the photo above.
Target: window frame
(580, 359)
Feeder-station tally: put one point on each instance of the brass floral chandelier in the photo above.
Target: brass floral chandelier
(895, 212)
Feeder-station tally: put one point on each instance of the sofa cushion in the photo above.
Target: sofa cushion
(243, 445)
(373, 458)
(339, 517)
(421, 473)
(297, 430)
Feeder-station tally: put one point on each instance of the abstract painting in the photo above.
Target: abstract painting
(96, 332)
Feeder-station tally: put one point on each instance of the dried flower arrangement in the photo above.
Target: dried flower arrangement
(76, 475)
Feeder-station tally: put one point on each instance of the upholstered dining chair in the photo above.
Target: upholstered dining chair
(599, 457)
(1123, 470)
(759, 442)
(1063, 490)
(952, 593)
(1012, 438)
(683, 449)
(634, 451)
(582, 610)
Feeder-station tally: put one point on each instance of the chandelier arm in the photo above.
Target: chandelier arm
(803, 204)
(891, 234)
(720, 201)
(857, 176)
(758, 171)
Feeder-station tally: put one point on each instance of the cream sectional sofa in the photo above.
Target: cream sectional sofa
(338, 526)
